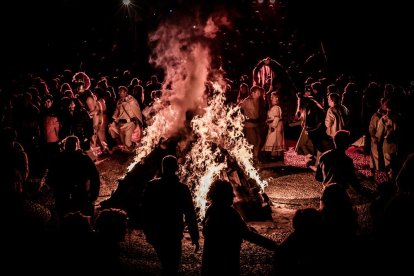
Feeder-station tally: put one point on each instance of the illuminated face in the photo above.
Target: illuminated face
(72, 106)
(256, 94)
(48, 103)
(122, 93)
(274, 99)
(330, 102)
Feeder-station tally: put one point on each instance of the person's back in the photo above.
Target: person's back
(75, 180)
(166, 202)
(337, 115)
(335, 167)
(341, 223)
(305, 247)
(224, 230)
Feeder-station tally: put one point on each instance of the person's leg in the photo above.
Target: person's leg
(126, 134)
(169, 254)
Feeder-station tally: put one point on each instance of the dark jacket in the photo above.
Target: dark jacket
(166, 201)
(76, 182)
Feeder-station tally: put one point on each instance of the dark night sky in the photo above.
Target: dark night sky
(372, 37)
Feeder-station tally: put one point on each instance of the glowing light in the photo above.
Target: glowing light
(272, 1)
(218, 130)
(215, 134)
(126, 2)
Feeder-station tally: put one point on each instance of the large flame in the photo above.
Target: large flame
(218, 128)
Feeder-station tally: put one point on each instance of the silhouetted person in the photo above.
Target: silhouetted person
(13, 156)
(337, 167)
(23, 227)
(165, 201)
(312, 116)
(224, 230)
(111, 228)
(75, 249)
(397, 238)
(302, 251)
(341, 224)
(75, 180)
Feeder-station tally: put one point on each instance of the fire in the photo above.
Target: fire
(217, 132)
(159, 129)
(219, 128)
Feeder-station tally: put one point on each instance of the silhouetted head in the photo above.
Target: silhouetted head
(76, 224)
(112, 224)
(307, 220)
(221, 192)
(341, 139)
(334, 196)
(169, 165)
(72, 143)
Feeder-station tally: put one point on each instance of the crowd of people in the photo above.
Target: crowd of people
(55, 128)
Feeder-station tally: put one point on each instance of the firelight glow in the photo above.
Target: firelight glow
(216, 136)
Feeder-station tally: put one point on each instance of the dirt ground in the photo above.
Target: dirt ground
(291, 186)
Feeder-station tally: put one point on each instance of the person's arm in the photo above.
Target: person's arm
(373, 127)
(90, 102)
(251, 235)
(330, 121)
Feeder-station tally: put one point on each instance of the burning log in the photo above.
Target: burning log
(252, 204)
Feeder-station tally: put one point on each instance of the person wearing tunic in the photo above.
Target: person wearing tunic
(275, 140)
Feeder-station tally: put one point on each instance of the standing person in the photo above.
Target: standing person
(100, 121)
(243, 92)
(337, 116)
(250, 107)
(50, 131)
(13, 155)
(75, 180)
(387, 135)
(275, 140)
(74, 120)
(224, 230)
(376, 161)
(165, 201)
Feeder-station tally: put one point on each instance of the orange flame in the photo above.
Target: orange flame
(221, 126)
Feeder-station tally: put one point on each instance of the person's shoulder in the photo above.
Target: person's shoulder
(18, 147)
(327, 154)
(183, 186)
(130, 98)
(154, 181)
(84, 156)
(246, 100)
